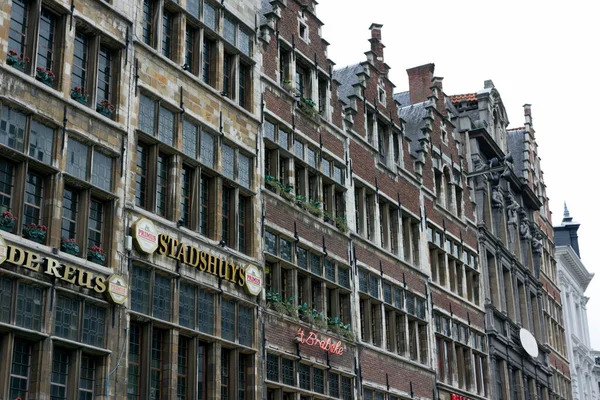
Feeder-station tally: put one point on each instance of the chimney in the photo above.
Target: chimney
(419, 82)
(376, 45)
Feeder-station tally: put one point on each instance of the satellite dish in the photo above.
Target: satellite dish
(529, 343)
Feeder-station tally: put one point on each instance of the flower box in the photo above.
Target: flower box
(34, 232)
(105, 108)
(80, 95)
(7, 221)
(16, 61)
(69, 246)
(96, 255)
(46, 76)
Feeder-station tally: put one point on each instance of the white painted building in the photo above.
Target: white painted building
(573, 280)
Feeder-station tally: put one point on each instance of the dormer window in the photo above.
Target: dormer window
(381, 91)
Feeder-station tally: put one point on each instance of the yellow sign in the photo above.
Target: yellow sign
(115, 285)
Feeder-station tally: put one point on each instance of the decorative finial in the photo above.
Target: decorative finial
(566, 213)
(567, 219)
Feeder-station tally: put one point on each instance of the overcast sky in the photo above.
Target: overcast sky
(542, 53)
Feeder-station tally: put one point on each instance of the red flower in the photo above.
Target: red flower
(11, 52)
(96, 249)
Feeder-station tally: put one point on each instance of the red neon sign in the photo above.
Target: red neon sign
(312, 340)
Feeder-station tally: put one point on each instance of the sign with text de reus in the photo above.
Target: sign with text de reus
(145, 235)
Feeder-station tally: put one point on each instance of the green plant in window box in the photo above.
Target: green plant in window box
(44, 75)
(319, 319)
(105, 108)
(79, 94)
(305, 313)
(341, 224)
(69, 246)
(314, 207)
(301, 201)
(17, 61)
(327, 216)
(271, 183)
(287, 192)
(308, 106)
(7, 221)
(96, 255)
(35, 232)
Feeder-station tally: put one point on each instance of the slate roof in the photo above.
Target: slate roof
(265, 8)
(413, 116)
(347, 77)
(403, 98)
(516, 139)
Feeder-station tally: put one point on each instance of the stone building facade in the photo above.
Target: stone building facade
(574, 279)
(199, 205)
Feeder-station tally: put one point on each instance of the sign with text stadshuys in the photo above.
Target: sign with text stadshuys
(148, 240)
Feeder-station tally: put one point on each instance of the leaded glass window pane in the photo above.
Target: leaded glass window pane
(387, 293)
(147, 115)
(410, 303)
(271, 242)
(80, 62)
(229, 30)
(187, 307)
(326, 167)
(207, 149)
(318, 380)
(334, 384)
(210, 16)
(32, 209)
(29, 307)
(6, 295)
(228, 320)
(19, 373)
(156, 364)
(41, 141)
(12, 128)
(301, 257)
(344, 277)
(102, 171)
(269, 130)
(304, 376)
(329, 270)
(58, 382)
(338, 176)
(244, 42)
(368, 394)
(161, 307)
(363, 281)
(299, 149)
(312, 157)
(206, 311)
(140, 289)
(285, 249)
(166, 125)
(272, 367)
(244, 170)
(86, 378)
(287, 372)
(94, 325)
(193, 7)
(245, 325)
(420, 308)
(346, 388)
(66, 317)
(379, 396)
(398, 298)
(315, 264)
(283, 139)
(190, 139)
(77, 159)
(228, 161)
(134, 367)
(373, 286)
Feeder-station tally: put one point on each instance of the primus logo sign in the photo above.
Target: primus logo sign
(148, 240)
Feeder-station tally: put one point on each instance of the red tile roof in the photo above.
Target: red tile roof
(457, 98)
